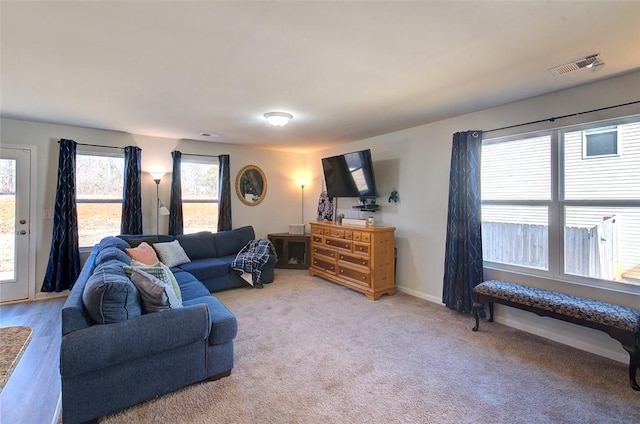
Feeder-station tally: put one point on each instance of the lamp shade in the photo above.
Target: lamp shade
(157, 175)
(278, 119)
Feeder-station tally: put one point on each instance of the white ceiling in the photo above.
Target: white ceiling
(345, 70)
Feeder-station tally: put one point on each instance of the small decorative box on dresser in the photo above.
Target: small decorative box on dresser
(361, 258)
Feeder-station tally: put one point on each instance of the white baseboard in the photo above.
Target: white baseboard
(419, 295)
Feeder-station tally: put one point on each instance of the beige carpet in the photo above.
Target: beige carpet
(309, 351)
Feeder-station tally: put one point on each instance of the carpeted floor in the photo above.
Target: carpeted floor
(309, 351)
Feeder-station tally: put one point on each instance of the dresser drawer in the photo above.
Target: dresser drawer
(361, 248)
(329, 253)
(360, 236)
(317, 230)
(356, 260)
(338, 243)
(363, 278)
(327, 266)
(336, 233)
(316, 238)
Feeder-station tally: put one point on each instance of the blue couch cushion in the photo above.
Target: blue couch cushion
(111, 241)
(198, 245)
(232, 241)
(190, 287)
(135, 240)
(224, 326)
(109, 295)
(113, 253)
(204, 269)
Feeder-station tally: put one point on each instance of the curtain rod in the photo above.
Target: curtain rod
(552, 119)
(198, 154)
(97, 145)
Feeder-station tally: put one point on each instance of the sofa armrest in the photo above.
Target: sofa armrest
(101, 346)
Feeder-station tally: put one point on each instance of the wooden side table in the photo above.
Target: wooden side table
(293, 250)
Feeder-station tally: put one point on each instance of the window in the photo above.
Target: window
(516, 195)
(199, 195)
(600, 142)
(547, 211)
(99, 187)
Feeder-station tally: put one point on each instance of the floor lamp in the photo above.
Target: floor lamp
(302, 204)
(160, 208)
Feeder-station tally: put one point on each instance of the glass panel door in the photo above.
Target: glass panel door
(14, 223)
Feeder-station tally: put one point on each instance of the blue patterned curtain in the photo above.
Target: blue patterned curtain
(131, 221)
(463, 253)
(224, 194)
(64, 258)
(175, 206)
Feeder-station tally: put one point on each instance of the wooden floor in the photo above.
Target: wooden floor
(32, 393)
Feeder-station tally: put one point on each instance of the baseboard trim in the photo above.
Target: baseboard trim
(419, 295)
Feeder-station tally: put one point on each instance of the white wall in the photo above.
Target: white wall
(416, 162)
(281, 206)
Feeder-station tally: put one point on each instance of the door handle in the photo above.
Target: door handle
(23, 221)
(22, 232)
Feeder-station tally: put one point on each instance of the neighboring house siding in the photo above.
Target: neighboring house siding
(606, 170)
(519, 170)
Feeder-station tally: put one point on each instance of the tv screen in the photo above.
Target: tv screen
(350, 175)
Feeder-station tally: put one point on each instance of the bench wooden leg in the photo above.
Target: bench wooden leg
(476, 315)
(634, 353)
(490, 311)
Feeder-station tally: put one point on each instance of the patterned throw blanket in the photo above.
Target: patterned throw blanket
(252, 258)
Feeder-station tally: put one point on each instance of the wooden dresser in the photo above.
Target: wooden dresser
(361, 258)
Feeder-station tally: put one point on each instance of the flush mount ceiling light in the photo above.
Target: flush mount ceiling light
(278, 119)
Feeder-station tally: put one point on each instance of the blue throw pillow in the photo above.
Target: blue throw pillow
(109, 295)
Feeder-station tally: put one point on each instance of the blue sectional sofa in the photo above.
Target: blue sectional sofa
(211, 255)
(113, 355)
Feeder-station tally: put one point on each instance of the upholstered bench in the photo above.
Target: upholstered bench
(619, 322)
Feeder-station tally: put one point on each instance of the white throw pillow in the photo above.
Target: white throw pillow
(171, 253)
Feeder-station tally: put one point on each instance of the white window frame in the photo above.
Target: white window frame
(585, 141)
(99, 201)
(199, 160)
(556, 207)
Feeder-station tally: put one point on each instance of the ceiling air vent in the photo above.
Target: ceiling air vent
(592, 61)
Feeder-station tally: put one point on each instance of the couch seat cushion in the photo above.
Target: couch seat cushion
(224, 326)
(204, 269)
(190, 287)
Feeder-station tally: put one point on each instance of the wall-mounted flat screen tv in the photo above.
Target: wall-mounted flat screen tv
(350, 175)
